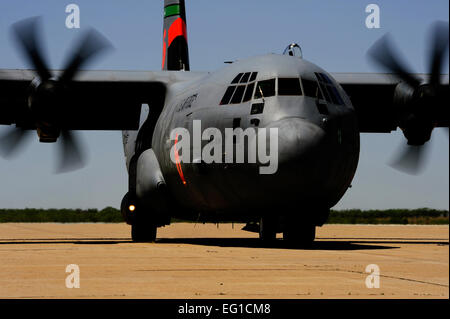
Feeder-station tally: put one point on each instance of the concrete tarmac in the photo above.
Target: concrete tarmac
(209, 261)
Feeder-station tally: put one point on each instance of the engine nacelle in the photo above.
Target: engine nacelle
(404, 96)
(44, 101)
(417, 131)
(415, 107)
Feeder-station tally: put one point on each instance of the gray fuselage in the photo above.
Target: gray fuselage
(318, 140)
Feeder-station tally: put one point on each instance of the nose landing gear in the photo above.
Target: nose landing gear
(267, 229)
(297, 232)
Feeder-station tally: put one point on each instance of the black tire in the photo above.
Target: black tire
(143, 228)
(267, 229)
(143, 232)
(300, 234)
(126, 214)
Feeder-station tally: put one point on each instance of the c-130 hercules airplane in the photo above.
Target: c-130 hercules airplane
(318, 117)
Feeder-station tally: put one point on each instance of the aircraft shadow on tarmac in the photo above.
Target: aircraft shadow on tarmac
(278, 244)
(322, 244)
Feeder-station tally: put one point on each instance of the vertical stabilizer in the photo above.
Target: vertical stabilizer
(175, 45)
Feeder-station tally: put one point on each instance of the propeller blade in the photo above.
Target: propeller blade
(438, 47)
(383, 54)
(411, 159)
(12, 141)
(92, 44)
(26, 33)
(71, 153)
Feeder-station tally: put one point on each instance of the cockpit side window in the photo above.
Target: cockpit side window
(311, 89)
(334, 90)
(249, 92)
(339, 99)
(331, 93)
(324, 88)
(265, 89)
(289, 86)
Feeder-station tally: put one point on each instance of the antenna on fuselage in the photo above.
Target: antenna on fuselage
(293, 49)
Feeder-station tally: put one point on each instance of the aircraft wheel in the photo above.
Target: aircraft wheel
(143, 229)
(300, 234)
(143, 233)
(267, 229)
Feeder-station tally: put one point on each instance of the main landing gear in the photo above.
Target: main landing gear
(301, 234)
(143, 227)
(143, 230)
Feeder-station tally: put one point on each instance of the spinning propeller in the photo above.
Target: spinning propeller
(420, 104)
(47, 96)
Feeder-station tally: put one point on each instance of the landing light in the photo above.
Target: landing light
(131, 208)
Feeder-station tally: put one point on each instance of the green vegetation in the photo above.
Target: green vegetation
(30, 215)
(422, 216)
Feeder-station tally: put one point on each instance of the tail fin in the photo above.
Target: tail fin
(175, 45)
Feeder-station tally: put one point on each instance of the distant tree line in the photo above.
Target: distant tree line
(33, 215)
(422, 216)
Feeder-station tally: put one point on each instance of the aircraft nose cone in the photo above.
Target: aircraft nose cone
(304, 161)
(299, 141)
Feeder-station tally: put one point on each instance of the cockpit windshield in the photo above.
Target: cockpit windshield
(265, 89)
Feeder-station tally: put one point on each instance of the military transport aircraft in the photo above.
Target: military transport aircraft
(318, 117)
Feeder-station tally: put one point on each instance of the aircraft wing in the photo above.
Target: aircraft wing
(95, 100)
(372, 96)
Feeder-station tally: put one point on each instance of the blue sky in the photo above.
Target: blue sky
(331, 33)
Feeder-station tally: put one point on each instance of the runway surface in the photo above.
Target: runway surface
(206, 261)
